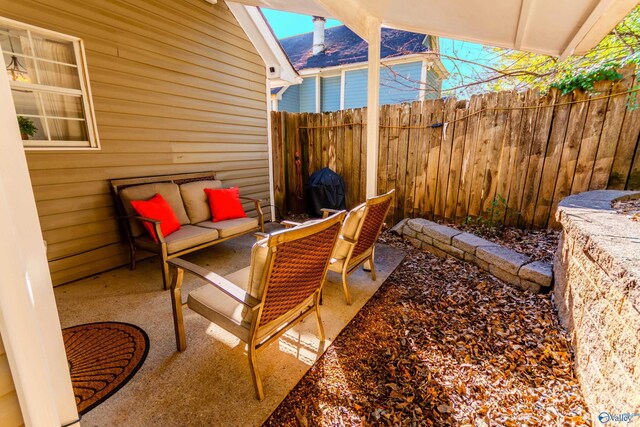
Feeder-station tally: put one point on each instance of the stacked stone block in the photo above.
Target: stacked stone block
(597, 294)
(509, 266)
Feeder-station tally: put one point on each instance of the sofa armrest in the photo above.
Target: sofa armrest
(256, 203)
(156, 226)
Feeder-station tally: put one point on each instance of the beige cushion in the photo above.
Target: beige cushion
(259, 253)
(189, 236)
(349, 228)
(168, 190)
(223, 310)
(230, 227)
(195, 199)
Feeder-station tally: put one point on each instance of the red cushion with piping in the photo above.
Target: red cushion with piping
(225, 203)
(157, 208)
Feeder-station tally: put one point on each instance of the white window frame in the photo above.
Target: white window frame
(84, 92)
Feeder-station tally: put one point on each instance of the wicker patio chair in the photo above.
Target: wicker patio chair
(261, 302)
(358, 237)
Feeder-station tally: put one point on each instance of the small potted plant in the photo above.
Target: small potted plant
(27, 128)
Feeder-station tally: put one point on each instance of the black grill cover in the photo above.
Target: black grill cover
(325, 189)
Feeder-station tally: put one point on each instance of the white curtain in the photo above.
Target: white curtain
(58, 75)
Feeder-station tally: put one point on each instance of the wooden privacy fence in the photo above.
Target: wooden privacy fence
(509, 157)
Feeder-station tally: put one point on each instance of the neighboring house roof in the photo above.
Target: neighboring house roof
(343, 46)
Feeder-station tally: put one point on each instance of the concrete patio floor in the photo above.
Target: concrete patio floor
(209, 383)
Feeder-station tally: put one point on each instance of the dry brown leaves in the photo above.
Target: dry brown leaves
(629, 208)
(442, 344)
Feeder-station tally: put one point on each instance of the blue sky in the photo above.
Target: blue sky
(287, 24)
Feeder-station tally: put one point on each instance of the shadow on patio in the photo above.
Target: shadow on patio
(208, 384)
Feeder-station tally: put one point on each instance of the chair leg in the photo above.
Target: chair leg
(176, 304)
(319, 321)
(255, 375)
(166, 275)
(132, 255)
(373, 268)
(345, 286)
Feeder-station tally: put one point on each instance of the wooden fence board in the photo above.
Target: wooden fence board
(570, 150)
(401, 166)
(422, 155)
(466, 178)
(459, 129)
(536, 157)
(530, 150)
(510, 149)
(362, 188)
(494, 155)
(392, 158)
(412, 172)
(489, 103)
(348, 155)
(434, 138)
(525, 141)
(446, 152)
(591, 138)
(611, 129)
(627, 143)
(383, 149)
(552, 160)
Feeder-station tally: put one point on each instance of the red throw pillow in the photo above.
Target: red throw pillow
(225, 203)
(157, 208)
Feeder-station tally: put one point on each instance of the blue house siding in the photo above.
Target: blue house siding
(290, 100)
(400, 83)
(355, 89)
(330, 90)
(308, 95)
(434, 85)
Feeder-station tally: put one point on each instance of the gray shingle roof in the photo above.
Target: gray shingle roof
(343, 46)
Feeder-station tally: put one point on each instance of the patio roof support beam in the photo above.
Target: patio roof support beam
(29, 323)
(584, 28)
(373, 106)
(522, 22)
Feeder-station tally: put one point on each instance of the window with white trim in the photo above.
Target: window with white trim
(48, 78)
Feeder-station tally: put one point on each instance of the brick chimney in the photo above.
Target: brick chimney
(318, 34)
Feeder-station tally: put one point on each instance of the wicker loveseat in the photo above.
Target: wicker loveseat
(185, 193)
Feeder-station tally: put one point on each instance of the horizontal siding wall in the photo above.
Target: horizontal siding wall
(177, 87)
(10, 414)
(290, 100)
(330, 90)
(308, 95)
(355, 89)
(400, 83)
(434, 85)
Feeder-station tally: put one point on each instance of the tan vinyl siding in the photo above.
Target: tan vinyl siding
(10, 414)
(177, 87)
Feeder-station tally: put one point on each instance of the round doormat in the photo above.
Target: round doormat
(102, 358)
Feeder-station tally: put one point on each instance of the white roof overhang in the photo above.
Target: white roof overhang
(549, 27)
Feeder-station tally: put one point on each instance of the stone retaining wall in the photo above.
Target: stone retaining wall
(507, 265)
(597, 294)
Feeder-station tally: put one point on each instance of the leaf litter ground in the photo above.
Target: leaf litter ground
(442, 343)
